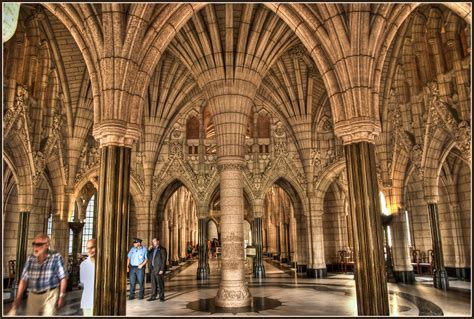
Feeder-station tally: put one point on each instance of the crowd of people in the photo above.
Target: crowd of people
(45, 277)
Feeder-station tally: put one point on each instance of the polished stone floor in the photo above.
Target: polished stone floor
(282, 293)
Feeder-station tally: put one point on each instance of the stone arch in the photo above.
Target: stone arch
(301, 211)
(431, 164)
(19, 157)
(289, 183)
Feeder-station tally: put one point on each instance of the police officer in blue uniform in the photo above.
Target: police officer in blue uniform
(137, 259)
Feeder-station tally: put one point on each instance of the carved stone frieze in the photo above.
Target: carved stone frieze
(231, 167)
(231, 294)
(232, 264)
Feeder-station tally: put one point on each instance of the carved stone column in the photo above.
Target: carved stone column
(203, 271)
(233, 290)
(283, 246)
(317, 267)
(402, 267)
(175, 244)
(369, 273)
(21, 249)
(112, 226)
(440, 277)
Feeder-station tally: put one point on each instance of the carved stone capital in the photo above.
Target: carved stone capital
(116, 133)
(357, 130)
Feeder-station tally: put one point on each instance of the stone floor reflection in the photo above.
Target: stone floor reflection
(282, 293)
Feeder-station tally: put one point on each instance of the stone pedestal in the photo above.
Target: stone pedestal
(203, 267)
(440, 276)
(233, 290)
(369, 268)
(112, 227)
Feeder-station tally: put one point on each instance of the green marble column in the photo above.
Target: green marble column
(112, 230)
(22, 248)
(369, 273)
(203, 265)
(440, 277)
(258, 267)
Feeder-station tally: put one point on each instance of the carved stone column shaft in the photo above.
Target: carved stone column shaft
(233, 290)
(402, 267)
(369, 273)
(112, 227)
(440, 277)
(317, 268)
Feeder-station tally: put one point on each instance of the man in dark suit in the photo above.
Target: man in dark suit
(157, 261)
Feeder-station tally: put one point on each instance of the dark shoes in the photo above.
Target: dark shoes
(162, 299)
(140, 298)
(151, 299)
(131, 297)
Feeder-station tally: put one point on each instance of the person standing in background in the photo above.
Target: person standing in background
(87, 275)
(137, 259)
(157, 257)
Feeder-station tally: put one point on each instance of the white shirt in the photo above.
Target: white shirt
(87, 279)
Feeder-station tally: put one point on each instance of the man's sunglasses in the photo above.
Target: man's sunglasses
(38, 244)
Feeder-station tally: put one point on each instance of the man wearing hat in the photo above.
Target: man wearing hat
(137, 259)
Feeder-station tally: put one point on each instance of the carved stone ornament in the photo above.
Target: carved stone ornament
(39, 162)
(441, 116)
(416, 158)
(18, 107)
(177, 132)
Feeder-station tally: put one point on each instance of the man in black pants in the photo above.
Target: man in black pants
(157, 258)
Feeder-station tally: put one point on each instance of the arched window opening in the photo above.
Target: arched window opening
(87, 231)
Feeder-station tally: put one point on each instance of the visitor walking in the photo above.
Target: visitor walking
(45, 277)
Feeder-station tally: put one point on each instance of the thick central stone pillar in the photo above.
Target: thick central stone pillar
(112, 230)
(230, 104)
(233, 290)
(369, 273)
(440, 277)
